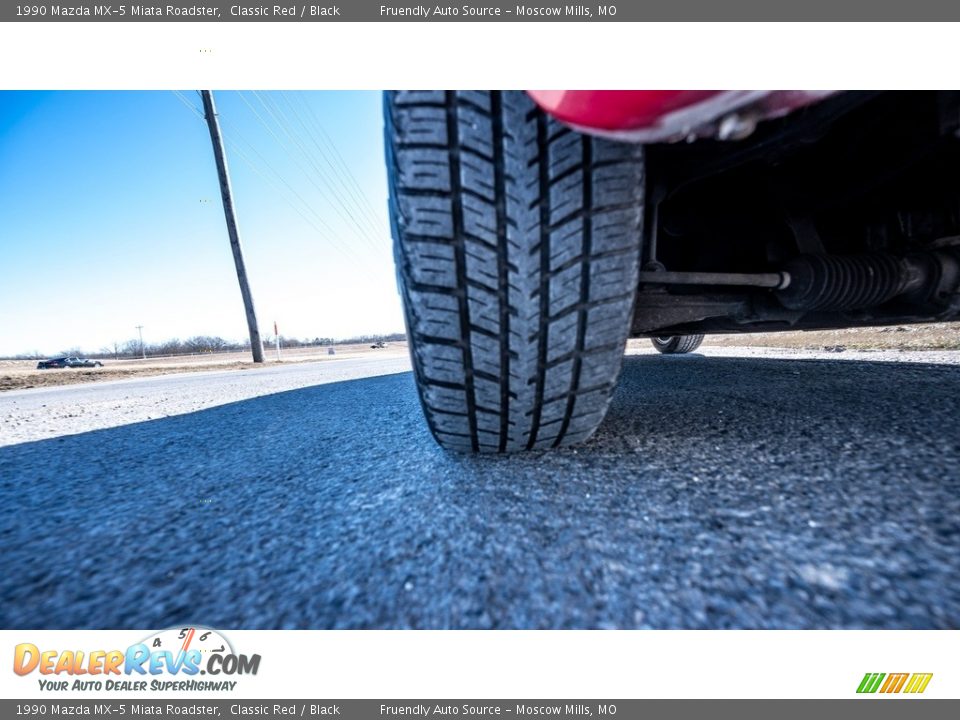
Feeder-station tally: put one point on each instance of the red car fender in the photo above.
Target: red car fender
(648, 116)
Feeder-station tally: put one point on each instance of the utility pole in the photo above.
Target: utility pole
(143, 350)
(210, 111)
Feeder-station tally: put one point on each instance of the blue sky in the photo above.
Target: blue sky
(110, 217)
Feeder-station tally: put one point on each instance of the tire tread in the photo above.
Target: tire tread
(517, 244)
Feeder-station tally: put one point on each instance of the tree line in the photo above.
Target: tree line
(201, 344)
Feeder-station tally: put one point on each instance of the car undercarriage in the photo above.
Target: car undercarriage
(846, 213)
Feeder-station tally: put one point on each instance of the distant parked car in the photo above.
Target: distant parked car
(83, 362)
(67, 362)
(378, 344)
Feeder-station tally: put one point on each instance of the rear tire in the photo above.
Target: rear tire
(677, 344)
(517, 243)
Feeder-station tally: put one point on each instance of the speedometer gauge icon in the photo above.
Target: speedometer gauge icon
(185, 638)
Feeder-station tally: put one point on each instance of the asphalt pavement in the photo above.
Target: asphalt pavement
(720, 492)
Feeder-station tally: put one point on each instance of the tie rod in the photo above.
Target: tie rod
(774, 280)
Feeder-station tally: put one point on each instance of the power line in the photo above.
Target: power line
(353, 258)
(379, 214)
(344, 251)
(328, 233)
(190, 106)
(338, 206)
(236, 133)
(342, 181)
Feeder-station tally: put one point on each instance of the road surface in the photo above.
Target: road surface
(54, 411)
(721, 492)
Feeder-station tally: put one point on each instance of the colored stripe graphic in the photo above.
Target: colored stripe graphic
(894, 682)
(918, 682)
(870, 682)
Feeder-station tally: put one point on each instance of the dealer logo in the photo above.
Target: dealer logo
(183, 652)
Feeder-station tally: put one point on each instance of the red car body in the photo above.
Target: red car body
(649, 116)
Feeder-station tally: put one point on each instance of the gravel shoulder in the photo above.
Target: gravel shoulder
(48, 412)
(24, 375)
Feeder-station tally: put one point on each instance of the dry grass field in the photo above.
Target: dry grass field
(934, 336)
(23, 374)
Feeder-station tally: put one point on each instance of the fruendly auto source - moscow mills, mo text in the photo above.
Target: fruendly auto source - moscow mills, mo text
(426, 12)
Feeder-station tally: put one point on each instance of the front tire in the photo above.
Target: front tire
(677, 344)
(517, 243)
